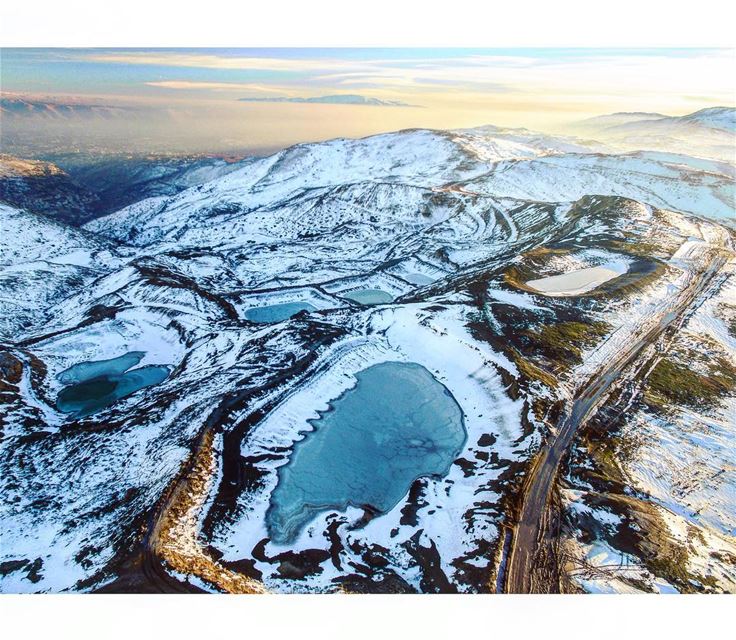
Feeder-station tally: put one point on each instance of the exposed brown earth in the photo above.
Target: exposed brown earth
(174, 539)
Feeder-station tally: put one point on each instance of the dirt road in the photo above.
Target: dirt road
(531, 545)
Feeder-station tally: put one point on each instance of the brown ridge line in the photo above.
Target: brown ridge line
(174, 539)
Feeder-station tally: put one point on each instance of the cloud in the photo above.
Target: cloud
(584, 81)
(209, 61)
(339, 65)
(351, 99)
(212, 86)
(452, 78)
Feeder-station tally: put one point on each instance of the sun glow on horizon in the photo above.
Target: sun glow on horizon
(192, 98)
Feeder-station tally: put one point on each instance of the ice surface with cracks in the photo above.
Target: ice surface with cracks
(397, 424)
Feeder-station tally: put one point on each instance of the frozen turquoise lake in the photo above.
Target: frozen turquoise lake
(397, 424)
(94, 385)
(84, 371)
(277, 312)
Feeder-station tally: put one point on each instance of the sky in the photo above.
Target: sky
(220, 99)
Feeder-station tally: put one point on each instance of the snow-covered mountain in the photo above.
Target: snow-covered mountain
(164, 367)
(43, 187)
(719, 118)
(485, 162)
(723, 118)
(342, 98)
(707, 133)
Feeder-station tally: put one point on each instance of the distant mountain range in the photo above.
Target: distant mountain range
(708, 132)
(335, 99)
(719, 118)
(16, 107)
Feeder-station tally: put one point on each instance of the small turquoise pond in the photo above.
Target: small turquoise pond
(397, 424)
(277, 312)
(369, 296)
(97, 384)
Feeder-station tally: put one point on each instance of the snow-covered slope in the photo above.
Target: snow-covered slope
(443, 231)
(715, 118)
(45, 188)
(499, 163)
(709, 132)
(708, 191)
(41, 262)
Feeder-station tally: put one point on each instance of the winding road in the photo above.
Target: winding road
(532, 541)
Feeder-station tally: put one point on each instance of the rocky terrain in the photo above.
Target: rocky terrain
(42, 187)
(76, 188)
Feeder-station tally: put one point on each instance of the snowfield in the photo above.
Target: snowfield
(513, 265)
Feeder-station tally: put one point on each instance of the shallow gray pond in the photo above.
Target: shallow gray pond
(417, 278)
(369, 296)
